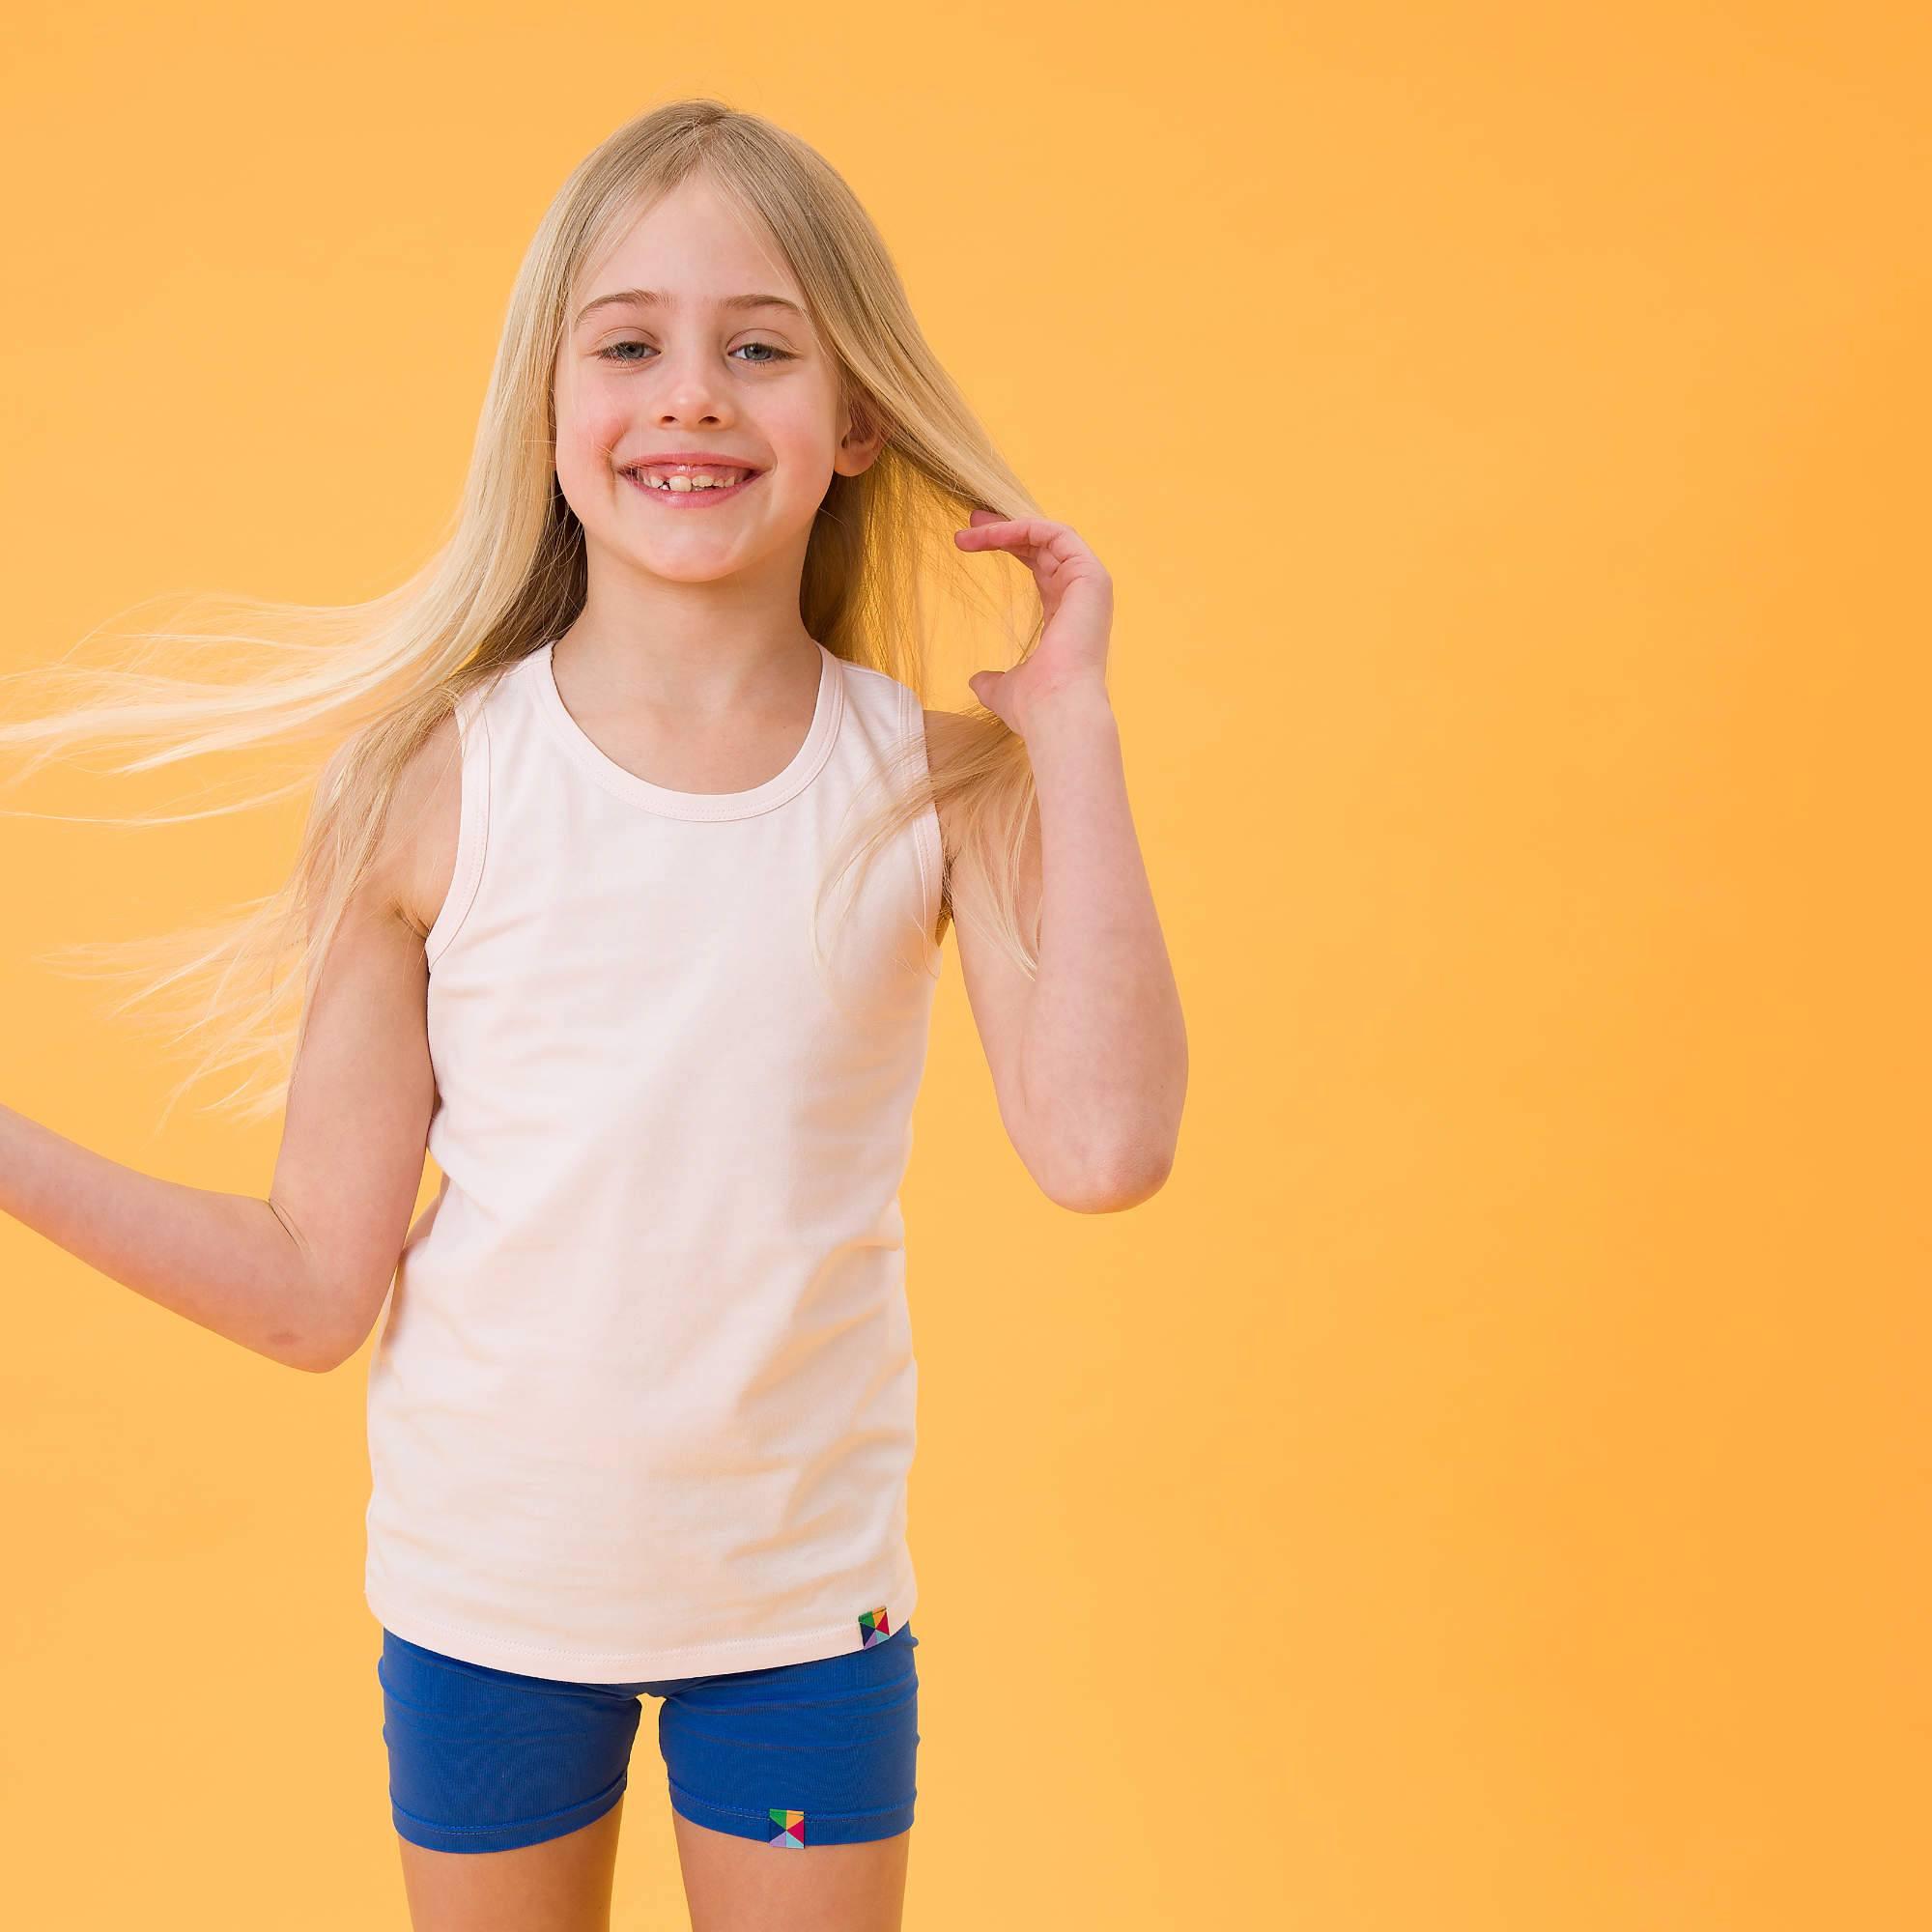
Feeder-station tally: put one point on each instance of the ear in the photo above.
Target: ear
(862, 437)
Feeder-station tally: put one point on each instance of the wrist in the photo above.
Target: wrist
(1075, 709)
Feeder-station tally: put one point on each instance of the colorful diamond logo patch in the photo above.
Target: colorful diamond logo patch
(872, 1627)
(788, 1828)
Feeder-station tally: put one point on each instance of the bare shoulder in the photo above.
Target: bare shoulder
(417, 856)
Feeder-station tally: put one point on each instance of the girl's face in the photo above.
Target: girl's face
(661, 356)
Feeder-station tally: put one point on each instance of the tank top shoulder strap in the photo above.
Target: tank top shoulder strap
(892, 725)
(473, 713)
(928, 840)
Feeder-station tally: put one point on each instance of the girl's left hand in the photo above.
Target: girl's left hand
(1077, 596)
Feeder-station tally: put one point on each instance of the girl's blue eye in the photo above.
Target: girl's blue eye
(774, 353)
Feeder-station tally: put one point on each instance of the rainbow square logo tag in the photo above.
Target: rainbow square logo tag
(872, 1627)
(788, 1828)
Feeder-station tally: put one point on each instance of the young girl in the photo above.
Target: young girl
(642, 1411)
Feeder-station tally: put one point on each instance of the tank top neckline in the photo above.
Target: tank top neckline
(584, 752)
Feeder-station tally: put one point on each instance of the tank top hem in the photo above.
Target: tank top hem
(635, 1667)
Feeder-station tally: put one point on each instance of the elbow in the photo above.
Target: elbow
(321, 1354)
(1110, 1187)
(335, 1353)
(1101, 1160)
(1104, 1165)
(346, 1322)
(314, 1358)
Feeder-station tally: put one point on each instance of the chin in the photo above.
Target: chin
(686, 569)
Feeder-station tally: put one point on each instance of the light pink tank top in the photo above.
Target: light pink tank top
(643, 1405)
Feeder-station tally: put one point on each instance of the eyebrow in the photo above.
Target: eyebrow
(656, 297)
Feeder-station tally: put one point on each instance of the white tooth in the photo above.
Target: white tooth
(685, 481)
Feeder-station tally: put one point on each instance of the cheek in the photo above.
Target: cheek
(803, 445)
(588, 439)
(585, 442)
(590, 423)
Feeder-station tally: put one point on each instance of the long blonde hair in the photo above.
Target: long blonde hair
(368, 683)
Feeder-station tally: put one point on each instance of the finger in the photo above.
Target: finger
(1024, 529)
(1027, 538)
(1008, 536)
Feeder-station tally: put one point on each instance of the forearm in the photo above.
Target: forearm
(227, 1262)
(1104, 1052)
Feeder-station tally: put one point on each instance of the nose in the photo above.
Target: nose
(691, 388)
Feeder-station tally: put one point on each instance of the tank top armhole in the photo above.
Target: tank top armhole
(929, 841)
(472, 728)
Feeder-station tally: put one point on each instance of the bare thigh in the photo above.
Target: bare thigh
(562, 1884)
(744, 1885)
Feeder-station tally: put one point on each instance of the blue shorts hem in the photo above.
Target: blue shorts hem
(820, 1828)
(512, 1837)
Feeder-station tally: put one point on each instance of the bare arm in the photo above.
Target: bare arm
(1088, 1058)
(299, 1275)
(225, 1261)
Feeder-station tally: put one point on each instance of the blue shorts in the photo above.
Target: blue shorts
(798, 1755)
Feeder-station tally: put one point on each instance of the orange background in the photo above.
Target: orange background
(1487, 1487)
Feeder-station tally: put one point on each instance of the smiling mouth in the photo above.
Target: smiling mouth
(686, 486)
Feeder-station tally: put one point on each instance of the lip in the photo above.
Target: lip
(716, 457)
(692, 499)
